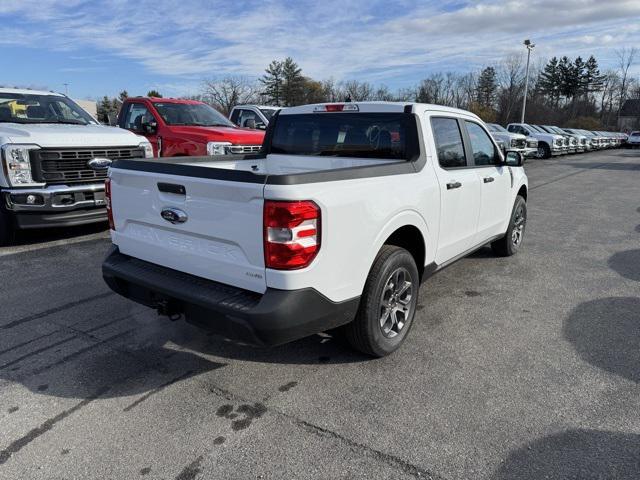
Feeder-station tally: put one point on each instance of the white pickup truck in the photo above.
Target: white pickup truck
(335, 224)
(54, 159)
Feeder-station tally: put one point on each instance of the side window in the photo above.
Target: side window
(247, 115)
(484, 151)
(234, 116)
(136, 115)
(448, 138)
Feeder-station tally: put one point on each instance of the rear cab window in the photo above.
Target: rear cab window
(388, 136)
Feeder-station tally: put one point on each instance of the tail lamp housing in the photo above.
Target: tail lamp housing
(107, 196)
(291, 233)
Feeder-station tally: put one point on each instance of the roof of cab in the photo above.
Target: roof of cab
(380, 107)
(28, 91)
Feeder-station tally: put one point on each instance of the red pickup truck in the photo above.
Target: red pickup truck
(178, 128)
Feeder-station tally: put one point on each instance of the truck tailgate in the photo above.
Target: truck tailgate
(221, 238)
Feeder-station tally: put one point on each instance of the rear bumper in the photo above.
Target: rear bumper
(272, 318)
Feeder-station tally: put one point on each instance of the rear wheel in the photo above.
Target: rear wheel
(512, 241)
(388, 304)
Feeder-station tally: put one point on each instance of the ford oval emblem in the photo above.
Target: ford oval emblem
(174, 215)
(99, 163)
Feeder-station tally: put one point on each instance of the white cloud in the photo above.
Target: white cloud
(348, 38)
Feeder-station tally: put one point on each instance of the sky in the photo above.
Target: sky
(102, 47)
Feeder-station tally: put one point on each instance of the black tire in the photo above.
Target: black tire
(7, 229)
(544, 151)
(508, 245)
(366, 333)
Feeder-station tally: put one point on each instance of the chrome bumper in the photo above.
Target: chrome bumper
(55, 198)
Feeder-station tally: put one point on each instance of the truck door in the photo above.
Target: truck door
(459, 190)
(136, 117)
(495, 183)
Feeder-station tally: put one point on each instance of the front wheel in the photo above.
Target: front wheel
(511, 243)
(388, 303)
(544, 151)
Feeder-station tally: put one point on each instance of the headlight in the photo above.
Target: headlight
(559, 141)
(514, 142)
(148, 149)
(17, 165)
(218, 148)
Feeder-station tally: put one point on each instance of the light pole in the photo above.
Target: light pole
(529, 45)
(66, 89)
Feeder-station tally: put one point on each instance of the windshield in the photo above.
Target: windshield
(536, 128)
(362, 135)
(199, 114)
(28, 108)
(268, 112)
(494, 127)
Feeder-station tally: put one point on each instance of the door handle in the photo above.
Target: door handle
(452, 185)
(488, 179)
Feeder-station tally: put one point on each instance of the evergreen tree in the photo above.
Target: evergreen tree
(487, 88)
(272, 81)
(123, 95)
(592, 78)
(292, 84)
(154, 93)
(568, 78)
(549, 81)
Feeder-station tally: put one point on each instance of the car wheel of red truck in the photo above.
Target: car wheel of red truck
(388, 304)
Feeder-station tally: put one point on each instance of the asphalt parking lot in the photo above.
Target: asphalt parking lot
(525, 367)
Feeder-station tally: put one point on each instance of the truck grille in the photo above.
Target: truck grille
(240, 149)
(63, 166)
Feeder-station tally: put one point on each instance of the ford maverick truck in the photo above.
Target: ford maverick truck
(332, 226)
(54, 159)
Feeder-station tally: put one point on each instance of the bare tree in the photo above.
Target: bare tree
(358, 91)
(226, 93)
(510, 75)
(626, 58)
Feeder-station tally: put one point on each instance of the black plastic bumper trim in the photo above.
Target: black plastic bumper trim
(272, 318)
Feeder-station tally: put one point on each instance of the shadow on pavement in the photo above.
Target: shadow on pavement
(316, 349)
(124, 364)
(575, 454)
(606, 334)
(627, 264)
(605, 166)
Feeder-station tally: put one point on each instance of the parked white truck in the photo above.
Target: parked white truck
(549, 144)
(335, 224)
(54, 159)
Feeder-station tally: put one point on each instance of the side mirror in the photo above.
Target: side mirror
(150, 128)
(514, 159)
(261, 126)
(250, 123)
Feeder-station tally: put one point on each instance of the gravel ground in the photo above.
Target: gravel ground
(525, 367)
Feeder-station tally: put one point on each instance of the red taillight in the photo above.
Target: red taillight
(291, 234)
(107, 196)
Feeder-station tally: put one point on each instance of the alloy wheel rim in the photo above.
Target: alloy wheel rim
(518, 227)
(395, 302)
